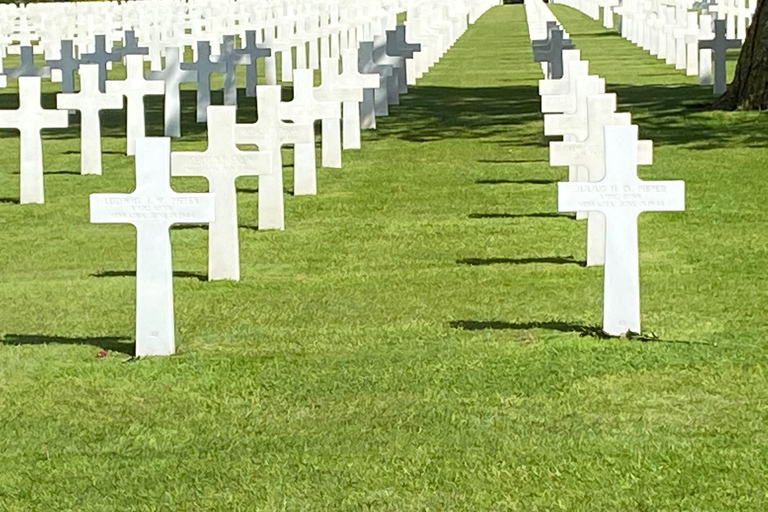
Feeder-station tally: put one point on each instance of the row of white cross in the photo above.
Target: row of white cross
(690, 40)
(602, 150)
(154, 206)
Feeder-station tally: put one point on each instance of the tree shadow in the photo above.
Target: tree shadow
(554, 260)
(681, 115)
(544, 215)
(182, 274)
(431, 113)
(10, 200)
(110, 343)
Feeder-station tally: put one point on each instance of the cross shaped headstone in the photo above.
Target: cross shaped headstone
(131, 46)
(719, 45)
(68, 64)
(205, 67)
(221, 164)
(173, 75)
(551, 50)
(588, 153)
(29, 119)
(270, 133)
(134, 88)
(27, 66)
(231, 59)
(305, 109)
(351, 78)
(621, 196)
(101, 57)
(89, 101)
(397, 46)
(153, 207)
(329, 91)
(375, 101)
(254, 50)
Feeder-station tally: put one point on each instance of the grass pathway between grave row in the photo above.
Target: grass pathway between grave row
(411, 341)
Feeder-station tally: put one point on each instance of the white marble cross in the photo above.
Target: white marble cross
(719, 44)
(551, 51)
(621, 196)
(231, 59)
(254, 50)
(131, 46)
(101, 57)
(173, 76)
(89, 101)
(305, 109)
(29, 119)
(221, 164)
(351, 78)
(27, 66)
(67, 64)
(397, 46)
(270, 134)
(153, 207)
(375, 101)
(589, 153)
(329, 91)
(134, 88)
(205, 67)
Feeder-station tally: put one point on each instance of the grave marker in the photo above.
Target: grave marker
(205, 67)
(588, 153)
(29, 119)
(89, 101)
(67, 64)
(134, 88)
(231, 59)
(621, 196)
(254, 50)
(270, 134)
(221, 164)
(153, 207)
(101, 57)
(305, 110)
(27, 66)
(719, 45)
(173, 75)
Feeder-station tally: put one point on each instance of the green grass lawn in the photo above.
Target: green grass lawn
(413, 340)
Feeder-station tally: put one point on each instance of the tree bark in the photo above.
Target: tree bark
(749, 89)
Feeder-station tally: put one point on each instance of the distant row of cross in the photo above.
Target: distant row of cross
(602, 151)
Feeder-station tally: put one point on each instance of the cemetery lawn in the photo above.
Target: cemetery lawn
(419, 336)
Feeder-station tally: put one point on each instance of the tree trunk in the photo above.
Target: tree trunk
(749, 89)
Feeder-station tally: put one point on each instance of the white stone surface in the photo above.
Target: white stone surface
(305, 109)
(29, 119)
(270, 133)
(621, 196)
(719, 45)
(89, 101)
(135, 88)
(589, 154)
(221, 164)
(153, 208)
(173, 76)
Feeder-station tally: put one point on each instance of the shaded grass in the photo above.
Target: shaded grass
(362, 364)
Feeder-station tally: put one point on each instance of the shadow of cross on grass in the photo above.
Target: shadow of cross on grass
(554, 260)
(109, 343)
(132, 273)
(552, 325)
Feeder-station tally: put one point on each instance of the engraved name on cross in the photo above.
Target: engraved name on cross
(621, 196)
(153, 207)
(221, 164)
